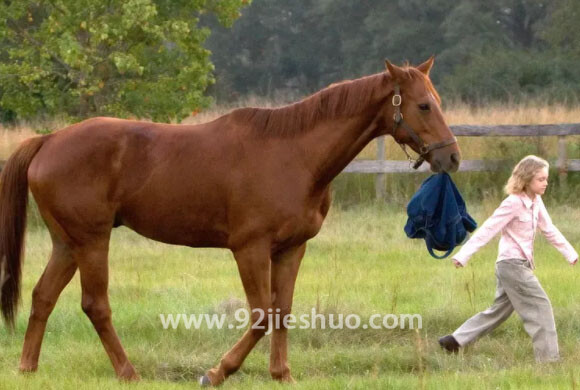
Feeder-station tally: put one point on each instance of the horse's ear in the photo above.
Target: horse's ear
(426, 66)
(396, 72)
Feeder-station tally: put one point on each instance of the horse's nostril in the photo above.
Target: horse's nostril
(455, 158)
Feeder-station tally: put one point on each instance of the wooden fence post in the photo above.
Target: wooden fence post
(380, 178)
(562, 162)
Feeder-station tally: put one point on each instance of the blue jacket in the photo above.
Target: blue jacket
(437, 213)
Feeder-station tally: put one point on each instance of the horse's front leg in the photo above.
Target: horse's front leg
(254, 266)
(285, 267)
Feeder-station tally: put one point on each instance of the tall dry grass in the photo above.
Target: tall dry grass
(455, 113)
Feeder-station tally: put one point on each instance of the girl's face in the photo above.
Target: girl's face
(537, 186)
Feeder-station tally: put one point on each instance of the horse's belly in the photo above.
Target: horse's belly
(195, 228)
(198, 238)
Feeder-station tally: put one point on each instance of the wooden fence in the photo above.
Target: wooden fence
(380, 166)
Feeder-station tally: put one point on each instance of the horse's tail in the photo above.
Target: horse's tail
(13, 204)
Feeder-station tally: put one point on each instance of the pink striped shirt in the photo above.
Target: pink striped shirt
(517, 218)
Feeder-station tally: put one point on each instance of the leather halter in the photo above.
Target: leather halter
(424, 148)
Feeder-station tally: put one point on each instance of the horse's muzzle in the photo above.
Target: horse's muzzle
(446, 162)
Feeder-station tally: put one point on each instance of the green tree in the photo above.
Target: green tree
(82, 58)
(279, 47)
(512, 50)
(269, 51)
(485, 50)
(564, 30)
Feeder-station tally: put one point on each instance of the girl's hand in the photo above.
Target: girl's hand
(574, 262)
(459, 265)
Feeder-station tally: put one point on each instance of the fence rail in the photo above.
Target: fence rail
(380, 166)
(563, 129)
(397, 166)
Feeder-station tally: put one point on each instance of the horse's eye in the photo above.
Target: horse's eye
(424, 107)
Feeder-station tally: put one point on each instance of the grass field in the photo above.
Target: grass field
(360, 263)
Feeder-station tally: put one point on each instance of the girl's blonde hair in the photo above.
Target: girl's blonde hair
(523, 173)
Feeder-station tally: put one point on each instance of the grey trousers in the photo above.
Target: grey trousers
(517, 289)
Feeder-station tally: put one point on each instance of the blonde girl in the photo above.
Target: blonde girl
(518, 289)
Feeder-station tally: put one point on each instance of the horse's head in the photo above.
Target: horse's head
(415, 113)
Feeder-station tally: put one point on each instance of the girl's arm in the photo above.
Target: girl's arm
(554, 236)
(492, 226)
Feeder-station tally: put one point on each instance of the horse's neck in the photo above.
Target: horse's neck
(333, 144)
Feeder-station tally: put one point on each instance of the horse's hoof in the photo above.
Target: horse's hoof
(204, 381)
(27, 369)
(287, 379)
(128, 374)
(290, 379)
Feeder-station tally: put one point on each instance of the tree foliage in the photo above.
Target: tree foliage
(146, 58)
(485, 50)
(82, 58)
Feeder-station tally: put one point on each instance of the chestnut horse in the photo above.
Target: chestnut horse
(255, 181)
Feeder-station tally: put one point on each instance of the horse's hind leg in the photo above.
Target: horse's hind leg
(284, 272)
(56, 276)
(93, 267)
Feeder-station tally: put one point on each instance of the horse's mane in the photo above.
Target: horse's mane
(337, 100)
(342, 99)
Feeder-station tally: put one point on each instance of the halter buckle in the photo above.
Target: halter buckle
(397, 100)
(423, 149)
